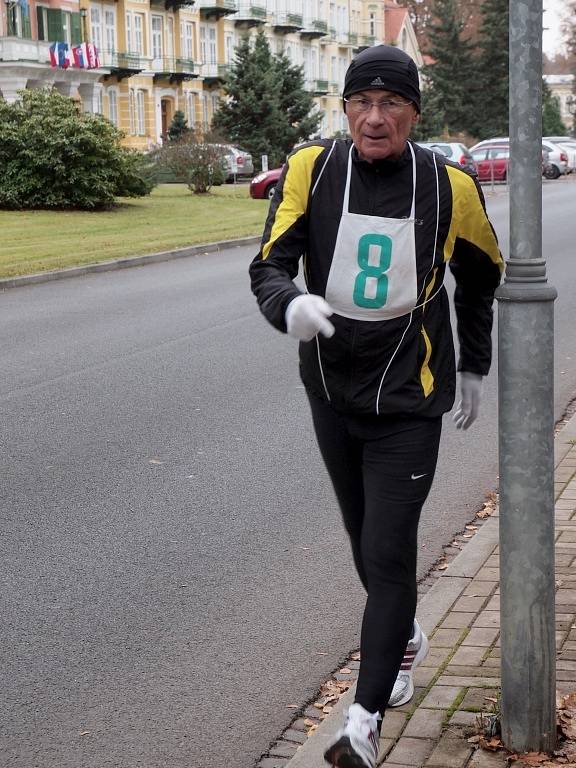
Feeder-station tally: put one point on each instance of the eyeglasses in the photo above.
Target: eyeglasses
(390, 106)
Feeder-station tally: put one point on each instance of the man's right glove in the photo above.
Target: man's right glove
(306, 315)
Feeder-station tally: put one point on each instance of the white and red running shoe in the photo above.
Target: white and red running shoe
(356, 745)
(416, 651)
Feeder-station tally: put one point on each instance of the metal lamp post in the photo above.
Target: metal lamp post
(526, 416)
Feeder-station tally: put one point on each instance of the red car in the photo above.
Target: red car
(263, 185)
(492, 162)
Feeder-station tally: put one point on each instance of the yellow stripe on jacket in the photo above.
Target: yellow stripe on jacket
(469, 224)
(295, 191)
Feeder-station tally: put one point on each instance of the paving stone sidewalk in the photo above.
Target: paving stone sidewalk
(460, 676)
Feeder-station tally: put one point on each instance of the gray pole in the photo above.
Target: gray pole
(526, 421)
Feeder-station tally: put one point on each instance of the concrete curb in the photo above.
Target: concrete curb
(432, 608)
(130, 261)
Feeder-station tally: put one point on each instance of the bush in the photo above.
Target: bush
(52, 155)
(196, 160)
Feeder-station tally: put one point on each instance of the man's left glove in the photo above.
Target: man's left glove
(470, 396)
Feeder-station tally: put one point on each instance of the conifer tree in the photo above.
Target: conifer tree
(296, 103)
(491, 81)
(267, 110)
(250, 115)
(552, 124)
(178, 126)
(450, 75)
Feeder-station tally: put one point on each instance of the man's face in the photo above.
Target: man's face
(380, 132)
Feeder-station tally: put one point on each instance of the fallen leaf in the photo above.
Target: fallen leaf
(355, 656)
(471, 527)
(467, 535)
(291, 706)
(443, 566)
(84, 733)
(345, 671)
(155, 461)
(309, 723)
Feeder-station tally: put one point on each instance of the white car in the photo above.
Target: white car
(556, 156)
(568, 144)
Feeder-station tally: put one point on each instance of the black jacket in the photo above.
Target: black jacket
(400, 365)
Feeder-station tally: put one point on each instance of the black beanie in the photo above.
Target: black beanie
(385, 67)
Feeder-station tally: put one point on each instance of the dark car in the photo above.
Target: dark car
(263, 185)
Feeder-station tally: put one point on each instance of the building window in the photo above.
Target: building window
(135, 32)
(214, 103)
(110, 30)
(113, 107)
(140, 116)
(205, 114)
(229, 44)
(132, 110)
(170, 37)
(156, 37)
(56, 25)
(191, 103)
(98, 102)
(208, 44)
(95, 27)
(187, 39)
(139, 33)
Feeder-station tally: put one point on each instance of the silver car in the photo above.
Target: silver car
(237, 163)
(568, 144)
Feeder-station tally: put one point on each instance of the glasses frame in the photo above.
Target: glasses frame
(364, 106)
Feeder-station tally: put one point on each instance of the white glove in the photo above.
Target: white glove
(306, 315)
(470, 396)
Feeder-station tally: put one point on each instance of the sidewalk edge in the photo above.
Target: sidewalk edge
(431, 609)
(123, 263)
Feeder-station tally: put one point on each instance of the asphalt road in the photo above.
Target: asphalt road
(174, 573)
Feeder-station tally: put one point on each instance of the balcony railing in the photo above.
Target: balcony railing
(173, 68)
(287, 22)
(22, 49)
(123, 64)
(216, 8)
(314, 28)
(250, 15)
(317, 87)
(214, 73)
(364, 41)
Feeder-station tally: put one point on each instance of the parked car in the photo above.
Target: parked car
(237, 164)
(491, 162)
(568, 144)
(557, 158)
(263, 185)
(453, 150)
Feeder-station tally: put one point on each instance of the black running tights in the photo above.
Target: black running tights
(382, 469)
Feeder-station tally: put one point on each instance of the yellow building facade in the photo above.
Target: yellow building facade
(159, 56)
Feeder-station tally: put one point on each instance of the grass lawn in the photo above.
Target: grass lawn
(171, 217)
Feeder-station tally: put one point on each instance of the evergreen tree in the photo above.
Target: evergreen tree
(491, 81)
(552, 124)
(430, 125)
(267, 110)
(449, 78)
(296, 103)
(251, 116)
(178, 126)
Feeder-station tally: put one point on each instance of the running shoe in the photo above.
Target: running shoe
(416, 651)
(356, 745)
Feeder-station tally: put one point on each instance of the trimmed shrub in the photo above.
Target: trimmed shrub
(52, 155)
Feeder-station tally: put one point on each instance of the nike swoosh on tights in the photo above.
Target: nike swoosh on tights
(417, 477)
